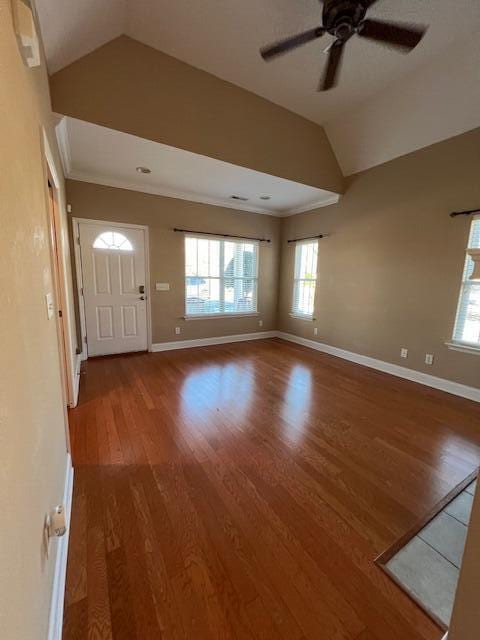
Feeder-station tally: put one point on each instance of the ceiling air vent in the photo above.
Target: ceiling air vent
(242, 198)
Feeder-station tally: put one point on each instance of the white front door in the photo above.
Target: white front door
(114, 288)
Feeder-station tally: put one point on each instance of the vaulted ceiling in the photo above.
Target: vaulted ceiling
(224, 38)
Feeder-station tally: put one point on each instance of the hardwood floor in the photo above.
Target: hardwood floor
(244, 490)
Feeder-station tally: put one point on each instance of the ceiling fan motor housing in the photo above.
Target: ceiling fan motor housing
(341, 18)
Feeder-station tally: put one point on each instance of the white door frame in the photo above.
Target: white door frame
(78, 269)
(65, 341)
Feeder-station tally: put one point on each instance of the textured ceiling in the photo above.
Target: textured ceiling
(224, 37)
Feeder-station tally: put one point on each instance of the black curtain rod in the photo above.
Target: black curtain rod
(221, 235)
(454, 214)
(302, 239)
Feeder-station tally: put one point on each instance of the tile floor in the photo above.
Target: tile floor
(428, 566)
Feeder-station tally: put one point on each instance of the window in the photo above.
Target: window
(467, 324)
(220, 276)
(112, 240)
(305, 278)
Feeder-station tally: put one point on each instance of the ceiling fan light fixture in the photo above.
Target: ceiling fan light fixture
(344, 19)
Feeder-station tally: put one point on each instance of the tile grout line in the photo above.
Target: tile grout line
(437, 551)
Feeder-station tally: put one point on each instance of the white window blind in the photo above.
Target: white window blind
(221, 276)
(467, 324)
(305, 278)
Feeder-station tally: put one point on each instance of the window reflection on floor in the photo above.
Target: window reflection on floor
(215, 388)
(298, 398)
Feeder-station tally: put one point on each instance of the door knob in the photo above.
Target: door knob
(142, 297)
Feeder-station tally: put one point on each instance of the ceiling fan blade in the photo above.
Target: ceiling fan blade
(287, 44)
(330, 76)
(390, 33)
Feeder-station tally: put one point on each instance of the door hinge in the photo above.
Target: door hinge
(81, 290)
(85, 339)
(78, 239)
(60, 314)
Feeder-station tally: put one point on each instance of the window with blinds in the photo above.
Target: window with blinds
(467, 324)
(221, 276)
(305, 278)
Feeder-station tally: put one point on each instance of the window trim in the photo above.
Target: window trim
(223, 314)
(294, 313)
(465, 347)
(212, 316)
(460, 345)
(302, 316)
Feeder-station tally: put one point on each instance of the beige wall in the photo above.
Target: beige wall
(32, 427)
(131, 87)
(390, 269)
(465, 622)
(161, 215)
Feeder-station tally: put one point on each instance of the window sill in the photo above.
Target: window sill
(210, 316)
(464, 346)
(300, 316)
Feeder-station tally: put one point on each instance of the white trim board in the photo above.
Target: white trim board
(205, 342)
(76, 380)
(426, 379)
(55, 623)
(81, 176)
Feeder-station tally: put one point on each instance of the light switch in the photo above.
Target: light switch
(162, 286)
(50, 305)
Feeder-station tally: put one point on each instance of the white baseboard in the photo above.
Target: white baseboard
(204, 342)
(58, 592)
(76, 380)
(387, 367)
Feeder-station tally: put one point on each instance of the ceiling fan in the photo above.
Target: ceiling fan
(344, 19)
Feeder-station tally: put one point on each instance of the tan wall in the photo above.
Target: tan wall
(167, 256)
(32, 428)
(131, 87)
(465, 622)
(389, 271)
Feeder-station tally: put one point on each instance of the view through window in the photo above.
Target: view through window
(305, 278)
(467, 325)
(220, 276)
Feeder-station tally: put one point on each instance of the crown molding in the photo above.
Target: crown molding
(332, 199)
(64, 145)
(82, 176)
(167, 193)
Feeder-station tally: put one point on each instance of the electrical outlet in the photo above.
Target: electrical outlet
(260, 323)
(429, 358)
(315, 331)
(177, 331)
(403, 352)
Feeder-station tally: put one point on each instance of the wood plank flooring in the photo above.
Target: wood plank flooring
(244, 491)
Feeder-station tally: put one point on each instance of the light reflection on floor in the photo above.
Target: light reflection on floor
(297, 403)
(218, 387)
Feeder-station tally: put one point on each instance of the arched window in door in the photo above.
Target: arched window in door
(112, 240)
